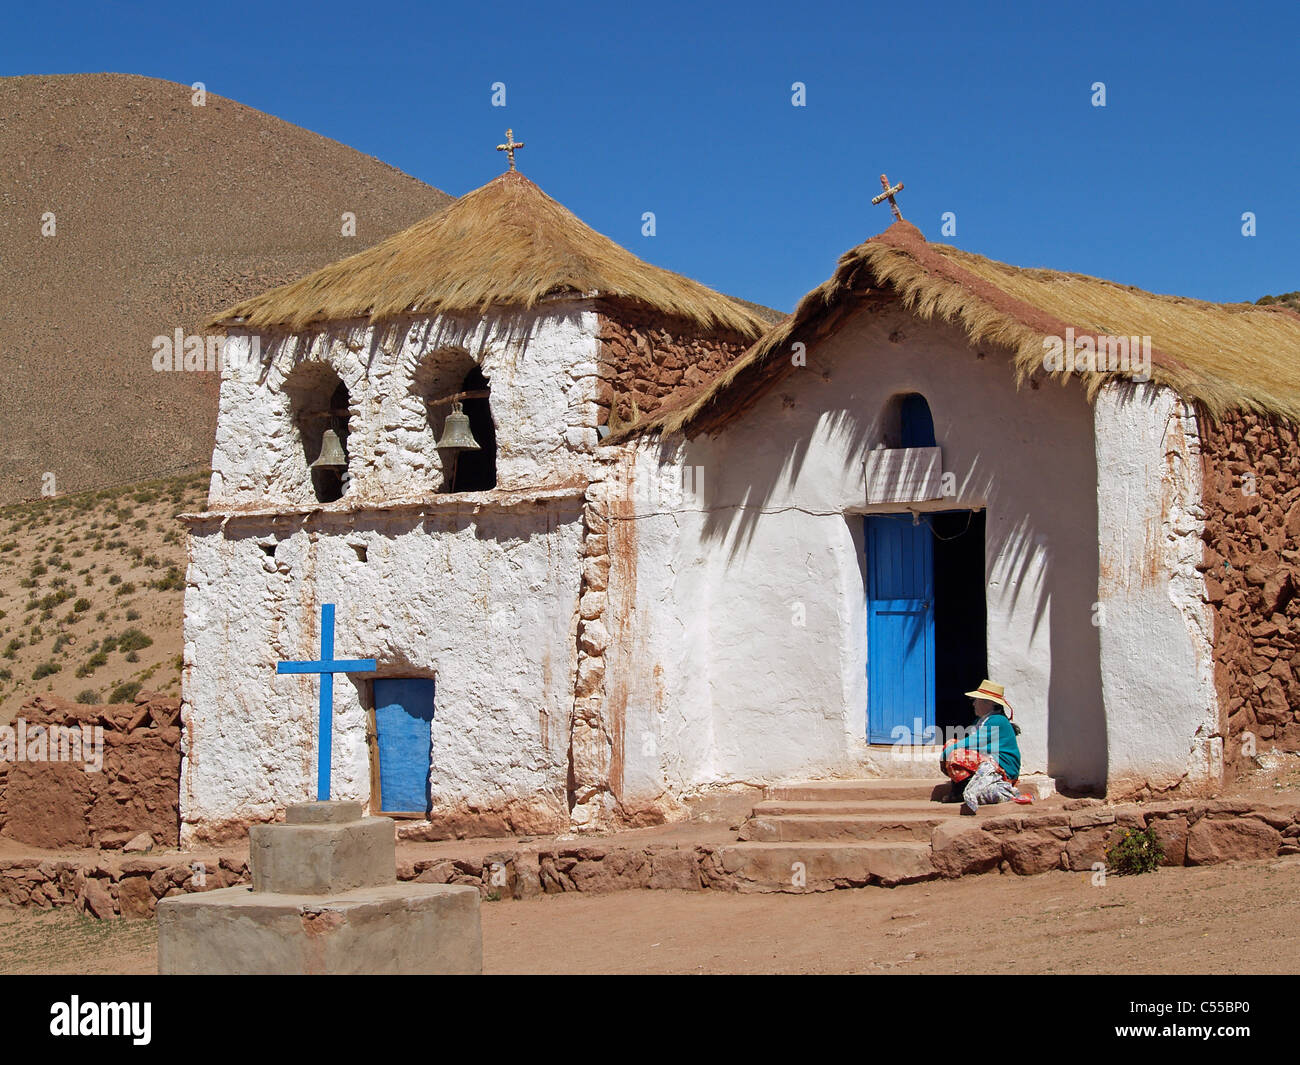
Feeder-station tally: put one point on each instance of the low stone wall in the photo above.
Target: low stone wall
(124, 782)
(129, 887)
(1192, 832)
(1195, 832)
(1252, 575)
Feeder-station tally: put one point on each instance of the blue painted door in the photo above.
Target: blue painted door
(403, 738)
(900, 626)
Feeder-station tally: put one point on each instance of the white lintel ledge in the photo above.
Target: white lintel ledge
(432, 502)
(903, 474)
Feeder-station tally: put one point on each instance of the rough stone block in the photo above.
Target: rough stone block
(396, 929)
(1245, 838)
(1033, 852)
(323, 857)
(960, 848)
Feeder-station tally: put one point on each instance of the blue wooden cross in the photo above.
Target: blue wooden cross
(326, 667)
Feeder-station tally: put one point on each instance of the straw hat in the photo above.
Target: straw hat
(992, 692)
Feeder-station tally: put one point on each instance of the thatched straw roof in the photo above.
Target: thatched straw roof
(1222, 356)
(506, 244)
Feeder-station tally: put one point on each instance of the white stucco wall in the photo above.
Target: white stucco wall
(485, 603)
(541, 366)
(477, 590)
(1157, 628)
(722, 687)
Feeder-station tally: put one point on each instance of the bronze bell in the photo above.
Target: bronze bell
(332, 455)
(455, 432)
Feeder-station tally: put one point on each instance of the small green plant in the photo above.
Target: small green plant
(81, 605)
(45, 669)
(124, 693)
(133, 615)
(92, 663)
(1139, 851)
(88, 696)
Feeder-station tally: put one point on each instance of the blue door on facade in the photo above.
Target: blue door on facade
(403, 740)
(900, 626)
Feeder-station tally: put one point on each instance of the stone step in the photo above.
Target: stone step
(901, 788)
(871, 807)
(803, 867)
(791, 828)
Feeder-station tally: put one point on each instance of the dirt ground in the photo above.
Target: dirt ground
(1226, 918)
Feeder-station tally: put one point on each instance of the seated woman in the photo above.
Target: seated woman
(984, 765)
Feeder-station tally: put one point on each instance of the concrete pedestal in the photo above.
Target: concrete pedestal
(325, 899)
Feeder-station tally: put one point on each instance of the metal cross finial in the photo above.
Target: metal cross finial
(509, 147)
(888, 194)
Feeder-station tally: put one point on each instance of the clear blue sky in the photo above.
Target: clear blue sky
(685, 110)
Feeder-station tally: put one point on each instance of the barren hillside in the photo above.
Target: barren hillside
(162, 213)
(91, 592)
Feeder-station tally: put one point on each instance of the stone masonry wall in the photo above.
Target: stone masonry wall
(1252, 575)
(646, 358)
(59, 804)
(1024, 843)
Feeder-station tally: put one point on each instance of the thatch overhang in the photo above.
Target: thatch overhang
(1219, 356)
(504, 245)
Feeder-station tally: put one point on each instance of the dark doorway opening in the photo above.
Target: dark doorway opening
(960, 613)
(476, 471)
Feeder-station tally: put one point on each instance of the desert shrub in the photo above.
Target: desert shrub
(132, 656)
(125, 692)
(92, 663)
(45, 669)
(133, 614)
(114, 579)
(126, 589)
(173, 579)
(52, 600)
(109, 645)
(133, 640)
(1139, 851)
(88, 695)
(81, 605)
(11, 648)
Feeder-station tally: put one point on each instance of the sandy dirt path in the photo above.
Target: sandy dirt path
(1226, 918)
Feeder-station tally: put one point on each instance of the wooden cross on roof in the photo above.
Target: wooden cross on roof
(888, 194)
(509, 147)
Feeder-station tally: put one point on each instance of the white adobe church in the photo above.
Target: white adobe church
(695, 550)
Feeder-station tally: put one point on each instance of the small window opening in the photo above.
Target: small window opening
(907, 422)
